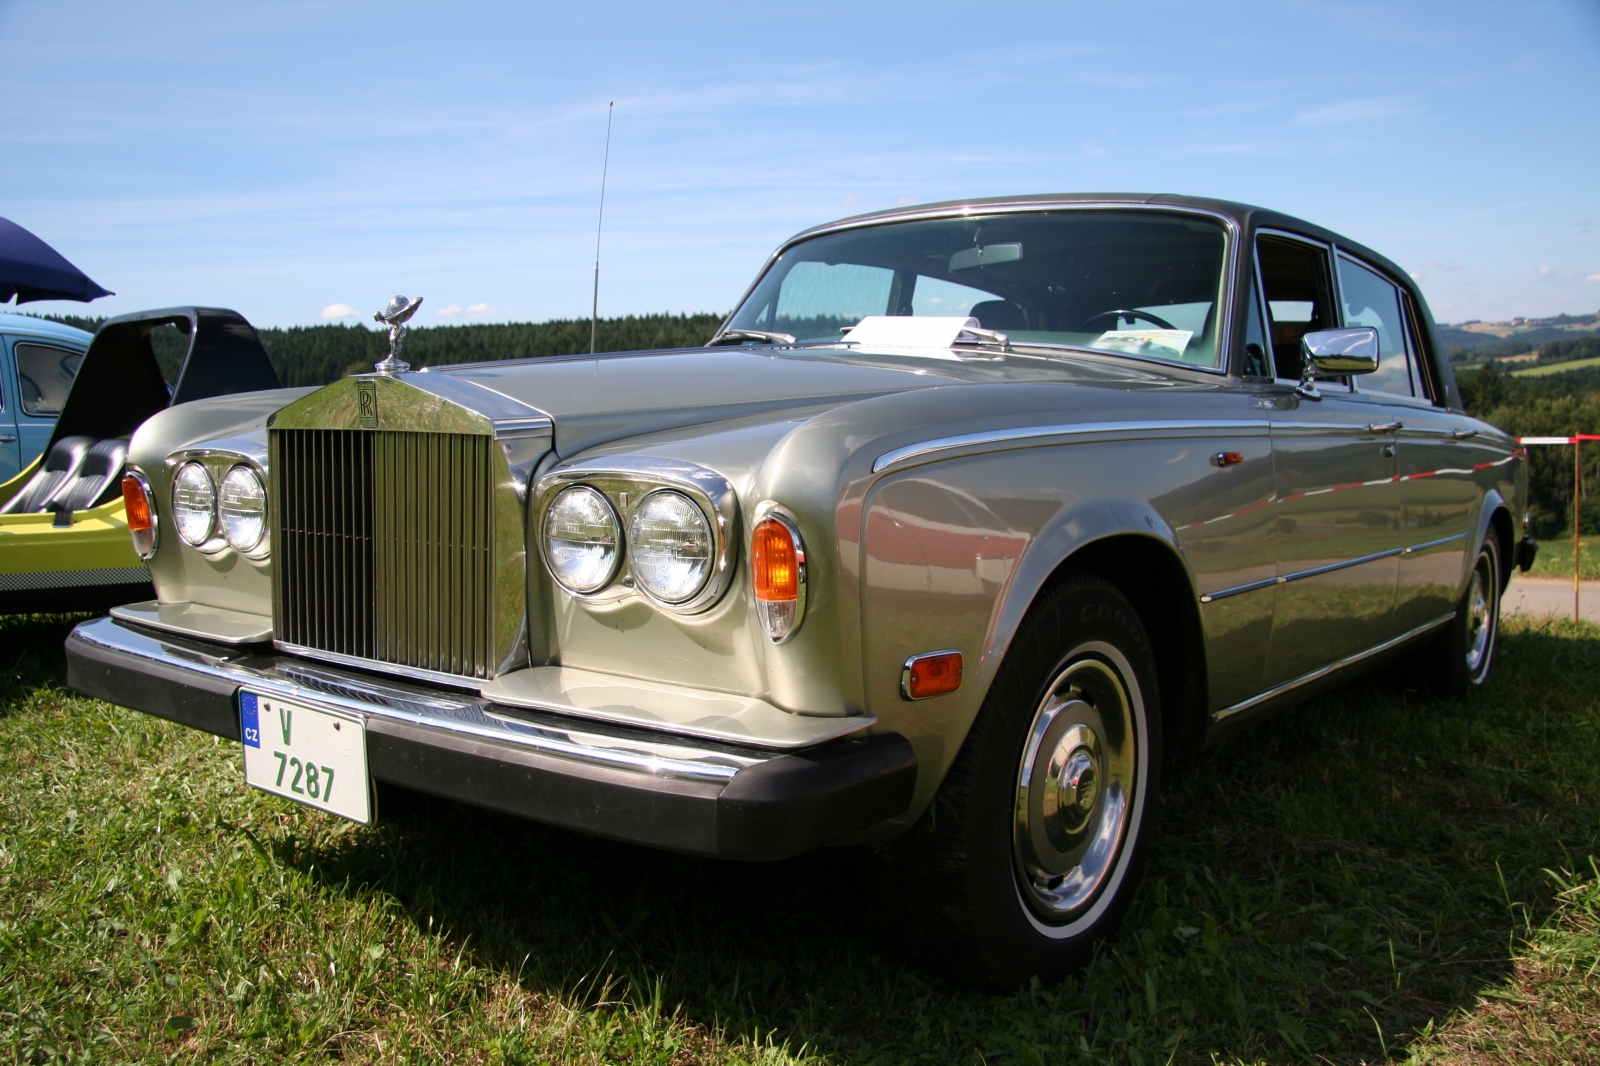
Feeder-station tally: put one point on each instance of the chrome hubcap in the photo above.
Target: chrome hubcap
(1479, 624)
(1074, 789)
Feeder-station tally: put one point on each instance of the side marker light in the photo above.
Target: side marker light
(933, 673)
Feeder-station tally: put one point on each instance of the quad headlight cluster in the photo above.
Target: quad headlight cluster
(673, 551)
(238, 511)
(662, 531)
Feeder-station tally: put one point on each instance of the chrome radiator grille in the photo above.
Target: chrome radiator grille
(384, 547)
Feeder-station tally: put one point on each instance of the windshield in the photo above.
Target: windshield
(1139, 282)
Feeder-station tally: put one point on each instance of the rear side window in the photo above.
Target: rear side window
(1294, 280)
(1372, 300)
(44, 375)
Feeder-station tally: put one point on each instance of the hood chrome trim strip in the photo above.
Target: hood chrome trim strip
(1231, 427)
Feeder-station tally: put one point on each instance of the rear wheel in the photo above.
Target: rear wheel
(1029, 854)
(1462, 656)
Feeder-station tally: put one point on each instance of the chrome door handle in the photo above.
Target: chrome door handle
(1384, 427)
(1461, 434)
(6, 438)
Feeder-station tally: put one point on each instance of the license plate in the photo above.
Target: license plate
(308, 754)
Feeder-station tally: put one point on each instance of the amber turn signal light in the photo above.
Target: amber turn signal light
(141, 519)
(933, 673)
(778, 577)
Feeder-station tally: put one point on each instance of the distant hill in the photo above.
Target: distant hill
(1527, 332)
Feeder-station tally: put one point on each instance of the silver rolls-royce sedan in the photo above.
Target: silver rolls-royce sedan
(968, 521)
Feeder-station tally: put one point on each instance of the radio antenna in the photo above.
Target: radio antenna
(594, 309)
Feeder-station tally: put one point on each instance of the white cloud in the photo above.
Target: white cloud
(335, 311)
(1356, 111)
(1550, 272)
(479, 310)
(1593, 277)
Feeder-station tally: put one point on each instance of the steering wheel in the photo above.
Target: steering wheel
(1118, 315)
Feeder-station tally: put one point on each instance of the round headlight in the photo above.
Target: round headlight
(243, 509)
(194, 504)
(670, 542)
(582, 539)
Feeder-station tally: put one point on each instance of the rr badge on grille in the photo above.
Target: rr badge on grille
(367, 398)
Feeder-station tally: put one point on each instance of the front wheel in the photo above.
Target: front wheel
(1030, 852)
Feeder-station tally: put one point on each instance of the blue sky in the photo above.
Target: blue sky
(284, 158)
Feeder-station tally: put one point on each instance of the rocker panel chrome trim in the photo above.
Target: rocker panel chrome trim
(1324, 671)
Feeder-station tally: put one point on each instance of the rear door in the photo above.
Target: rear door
(1439, 456)
(10, 449)
(1336, 480)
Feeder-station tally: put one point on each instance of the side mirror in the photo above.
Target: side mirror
(1335, 353)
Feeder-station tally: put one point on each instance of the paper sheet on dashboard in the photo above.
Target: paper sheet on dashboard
(906, 331)
(1160, 343)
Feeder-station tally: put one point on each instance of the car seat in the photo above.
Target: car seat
(100, 471)
(999, 314)
(60, 468)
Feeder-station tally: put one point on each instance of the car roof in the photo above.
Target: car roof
(10, 322)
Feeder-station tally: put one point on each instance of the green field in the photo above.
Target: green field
(1555, 559)
(1370, 877)
(1555, 368)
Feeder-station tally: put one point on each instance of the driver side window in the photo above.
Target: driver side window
(1295, 282)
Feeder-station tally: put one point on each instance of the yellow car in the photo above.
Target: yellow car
(64, 536)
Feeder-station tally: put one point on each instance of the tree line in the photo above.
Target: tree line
(1552, 405)
(318, 355)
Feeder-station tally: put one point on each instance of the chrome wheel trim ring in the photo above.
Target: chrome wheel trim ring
(1480, 615)
(1079, 791)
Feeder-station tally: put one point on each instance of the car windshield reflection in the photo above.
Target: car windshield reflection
(1136, 282)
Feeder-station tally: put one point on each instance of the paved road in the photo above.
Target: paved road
(1543, 595)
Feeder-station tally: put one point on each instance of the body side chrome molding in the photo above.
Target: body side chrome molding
(1284, 579)
(449, 712)
(1425, 545)
(1324, 671)
(1231, 427)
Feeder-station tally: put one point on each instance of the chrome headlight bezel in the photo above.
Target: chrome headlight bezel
(218, 462)
(625, 482)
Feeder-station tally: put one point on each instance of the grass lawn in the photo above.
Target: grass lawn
(1368, 877)
(1555, 559)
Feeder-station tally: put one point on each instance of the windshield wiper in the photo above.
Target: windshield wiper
(736, 335)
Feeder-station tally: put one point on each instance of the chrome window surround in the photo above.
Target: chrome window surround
(1231, 261)
(218, 457)
(1331, 251)
(155, 516)
(782, 515)
(625, 481)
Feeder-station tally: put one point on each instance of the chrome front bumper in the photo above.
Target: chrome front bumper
(692, 796)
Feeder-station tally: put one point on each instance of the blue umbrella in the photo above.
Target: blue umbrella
(32, 270)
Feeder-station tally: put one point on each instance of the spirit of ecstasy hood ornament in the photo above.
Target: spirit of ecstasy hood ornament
(395, 316)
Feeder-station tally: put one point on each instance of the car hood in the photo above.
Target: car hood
(594, 400)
